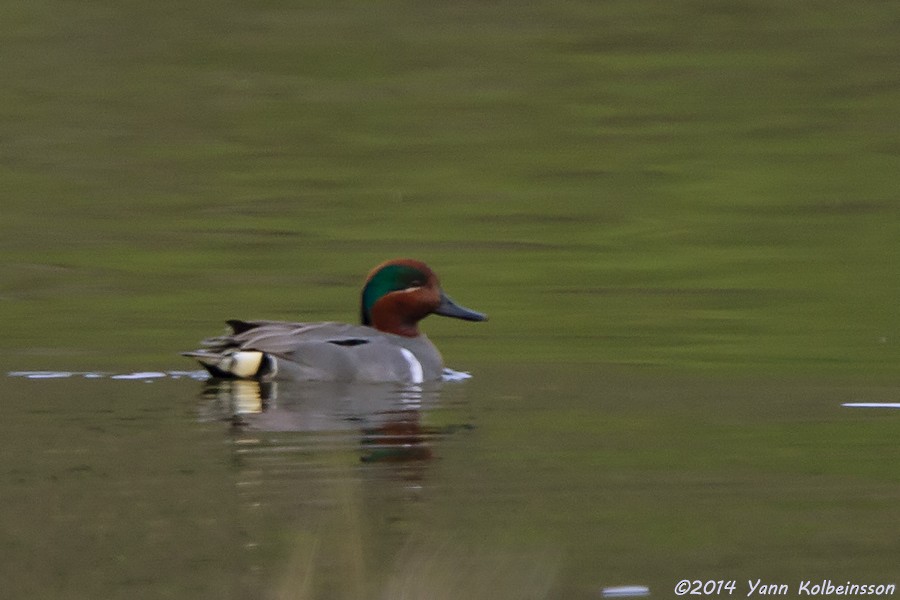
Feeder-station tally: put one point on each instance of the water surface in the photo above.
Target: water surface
(531, 481)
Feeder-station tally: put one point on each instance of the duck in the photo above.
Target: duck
(387, 346)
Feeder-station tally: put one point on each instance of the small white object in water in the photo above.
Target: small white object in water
(451, 375)
(199, 375)
(140, 375)
(626, 591)
(41, 374)
(871, 404)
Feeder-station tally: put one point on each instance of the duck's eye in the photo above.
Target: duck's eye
(416, 283)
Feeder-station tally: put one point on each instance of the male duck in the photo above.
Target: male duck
(386, 347)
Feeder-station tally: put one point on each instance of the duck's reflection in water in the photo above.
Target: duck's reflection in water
(384, 421)
(332, 480)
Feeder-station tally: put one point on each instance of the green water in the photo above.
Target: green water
(694, 184)
(540, 482)
(681, 217)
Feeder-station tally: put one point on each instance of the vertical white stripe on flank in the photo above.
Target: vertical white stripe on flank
(415, 367)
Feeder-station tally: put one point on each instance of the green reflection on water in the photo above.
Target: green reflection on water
(563, 480)
(684, 184)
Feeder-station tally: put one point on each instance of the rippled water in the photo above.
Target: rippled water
(530, 481)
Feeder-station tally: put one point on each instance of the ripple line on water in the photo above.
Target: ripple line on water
(137, 375)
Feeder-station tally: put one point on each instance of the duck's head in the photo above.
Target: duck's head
(399, 293)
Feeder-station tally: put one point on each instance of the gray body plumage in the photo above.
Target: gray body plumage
(320, 352)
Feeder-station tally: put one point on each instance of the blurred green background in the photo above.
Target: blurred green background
(694, 185)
